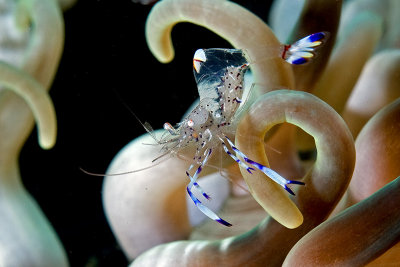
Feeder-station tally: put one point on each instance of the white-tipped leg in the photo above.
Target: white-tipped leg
(276, 177)
(241, 163)
(209, 213)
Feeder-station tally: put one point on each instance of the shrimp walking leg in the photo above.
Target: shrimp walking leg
(276, 177)
(209, 213)
(193, 178)
(241, 163)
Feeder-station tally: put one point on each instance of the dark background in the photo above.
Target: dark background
(106, 65)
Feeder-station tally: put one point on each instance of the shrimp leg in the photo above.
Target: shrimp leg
(276, 177)
(209, 213)
(241, 163)
(194, 178)
(198, 187)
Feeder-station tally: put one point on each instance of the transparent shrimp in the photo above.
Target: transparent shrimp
(219, 74)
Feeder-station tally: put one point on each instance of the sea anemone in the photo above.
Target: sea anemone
(149, 208)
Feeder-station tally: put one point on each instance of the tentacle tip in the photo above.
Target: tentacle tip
(47, 143)
(164, 54)
(162, 51)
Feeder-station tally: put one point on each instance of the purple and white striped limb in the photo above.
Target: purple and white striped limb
(198, 187)
(193, 178)
(276, 177)
(241, 163)
(209, 213)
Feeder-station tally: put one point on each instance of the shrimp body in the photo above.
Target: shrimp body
(219, 100)
(219, 74)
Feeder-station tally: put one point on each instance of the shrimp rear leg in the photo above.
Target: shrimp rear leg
(241, 163)
(276, 177)
(193, 178)
(209, 213)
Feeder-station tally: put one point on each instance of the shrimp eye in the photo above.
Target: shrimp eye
(190, 123)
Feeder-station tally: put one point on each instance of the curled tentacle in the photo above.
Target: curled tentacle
(37, 99)
(274, 108)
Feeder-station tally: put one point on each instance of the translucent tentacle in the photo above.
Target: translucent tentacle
(276, 177)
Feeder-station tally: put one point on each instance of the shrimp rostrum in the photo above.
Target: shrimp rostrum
(219, 74)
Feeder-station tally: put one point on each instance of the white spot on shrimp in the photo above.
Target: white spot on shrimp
(190, 123)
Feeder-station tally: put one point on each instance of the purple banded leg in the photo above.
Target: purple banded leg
(249, 169)
(193, 178)
(198, 187)
(209, 213)
(276, 177)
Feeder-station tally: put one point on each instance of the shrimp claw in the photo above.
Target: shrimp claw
(303, 50)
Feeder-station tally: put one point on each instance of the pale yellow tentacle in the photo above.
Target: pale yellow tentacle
(37, 99)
